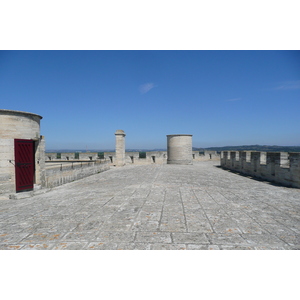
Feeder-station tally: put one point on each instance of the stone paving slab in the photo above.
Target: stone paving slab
(155, 207)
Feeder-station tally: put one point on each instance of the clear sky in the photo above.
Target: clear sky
(220, 97)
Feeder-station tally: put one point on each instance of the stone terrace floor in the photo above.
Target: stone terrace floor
(156, 207)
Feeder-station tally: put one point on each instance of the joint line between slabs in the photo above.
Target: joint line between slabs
(184, 216)
(205, 216)
(162, 210)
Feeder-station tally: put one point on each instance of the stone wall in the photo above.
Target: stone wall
(152, 157)
(205, 155)
(65, 156)
(158, 157)
(60, 173)
(19, 125)
(278, 167)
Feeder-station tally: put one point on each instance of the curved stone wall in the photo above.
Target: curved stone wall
(19, 125)
(179, 148)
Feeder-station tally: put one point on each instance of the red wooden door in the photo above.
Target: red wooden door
(24, 164)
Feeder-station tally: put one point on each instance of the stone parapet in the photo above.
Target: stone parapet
(61, 173)
(131, 157)
(278, 167)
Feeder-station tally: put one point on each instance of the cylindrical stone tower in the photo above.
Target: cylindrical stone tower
(22, 149)
(120, 148)
(179, 148)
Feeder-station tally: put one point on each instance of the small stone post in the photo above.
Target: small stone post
(120, 148)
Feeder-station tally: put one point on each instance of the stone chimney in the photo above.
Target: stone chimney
(179, 148)
(120, 148)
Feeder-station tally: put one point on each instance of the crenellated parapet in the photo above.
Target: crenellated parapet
(279, 167)
(134, 157)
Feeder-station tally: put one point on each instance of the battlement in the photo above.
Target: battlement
(279, 167)
(138, 158)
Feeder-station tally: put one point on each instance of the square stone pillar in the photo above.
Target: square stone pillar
(120, 148)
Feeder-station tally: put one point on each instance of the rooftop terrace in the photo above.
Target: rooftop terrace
(189, 207)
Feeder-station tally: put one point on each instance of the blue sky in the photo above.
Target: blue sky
(220, 97)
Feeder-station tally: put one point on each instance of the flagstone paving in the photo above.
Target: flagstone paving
(155, 207)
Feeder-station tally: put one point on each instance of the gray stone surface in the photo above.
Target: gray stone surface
(155, 207)
(19, 125)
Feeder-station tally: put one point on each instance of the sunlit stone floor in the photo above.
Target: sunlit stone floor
(193, 207)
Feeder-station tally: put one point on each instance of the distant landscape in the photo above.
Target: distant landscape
(264, 148)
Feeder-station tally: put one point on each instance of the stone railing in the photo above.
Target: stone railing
(278, 167)
(58, 173)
